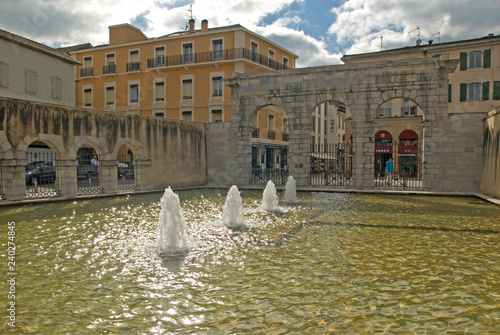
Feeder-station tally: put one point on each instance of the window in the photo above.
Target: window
(216, 86)
(475, 60)
(217, 115)
(30, 81)
(385, 109)
(217, 50)
(110, 64)
(134, 93)
(496, 90)
(187, 53)
(4, 74)
(87, 97)
(187, 89)
(271, 62)
(87, 69)
(160, 114)
(159, 91)
(187, 116)
(110, 95)
(134, 63)
(160, 56)
(475, 91)
(285, 63)
(254, 51)
(56, 88)
(409, 108)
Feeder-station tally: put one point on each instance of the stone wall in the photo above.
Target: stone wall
(452, 143)
(490, 183)
(166, 152)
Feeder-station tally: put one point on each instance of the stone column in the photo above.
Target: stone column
(108, 172)
(67, 177)
(14, 179)
(139, 171)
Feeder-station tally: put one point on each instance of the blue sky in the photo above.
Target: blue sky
(318, 31)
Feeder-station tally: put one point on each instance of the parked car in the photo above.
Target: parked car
(85, 170)
(33, 165)
(43, 173)
(125, 170)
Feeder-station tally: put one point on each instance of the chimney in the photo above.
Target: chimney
(204, 25)
(191, 25)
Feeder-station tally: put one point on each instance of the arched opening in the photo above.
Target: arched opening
(40, 171)
(270, 137)
(125, 169)
(87, 170)
(330, 155)
(383, 151)
(408, 157)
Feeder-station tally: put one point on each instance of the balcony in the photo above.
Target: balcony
(87, 72)
(109, 69)
(133, 66)
(214, 56)
(271, 135)
(285, 137)
(255, 132)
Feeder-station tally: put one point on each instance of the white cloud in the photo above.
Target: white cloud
(360, 23)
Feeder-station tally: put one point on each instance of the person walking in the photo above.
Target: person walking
(389, 168)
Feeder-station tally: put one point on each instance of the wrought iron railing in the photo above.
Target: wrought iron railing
(213, 56)
(133, 66)
(87, 72)
(255, 132)
(109, 69)
(271, 135)
(330, 165)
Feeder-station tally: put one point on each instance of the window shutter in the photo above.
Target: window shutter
(463, 92)
(496, 90)
(487, 58)
(486, 90)
(463, 61)
(449, 92)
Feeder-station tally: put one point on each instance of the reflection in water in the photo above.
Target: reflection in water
(92, 266)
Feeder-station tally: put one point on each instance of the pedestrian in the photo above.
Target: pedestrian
(389, 168)
(94, 164)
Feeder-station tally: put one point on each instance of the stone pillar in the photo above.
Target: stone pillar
(108, 172)
(67, 177)
(14, 179)
(139, 172)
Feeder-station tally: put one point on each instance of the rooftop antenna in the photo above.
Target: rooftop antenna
(438, 34)
(381, 42)
(419, 41)
(190, 10)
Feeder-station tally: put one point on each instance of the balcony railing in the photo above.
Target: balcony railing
(134, 66)
(255, 132)
(213, 56)
(285, 137)
(271, 134)
(109, 68)
(87, 72)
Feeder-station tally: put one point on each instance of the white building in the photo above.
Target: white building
(33, 71)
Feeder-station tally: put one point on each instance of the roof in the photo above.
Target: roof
(185, 33)
(42, 48)
(431, 46)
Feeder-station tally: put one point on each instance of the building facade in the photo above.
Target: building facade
(35, 72)
(176, 76)
(474, 87)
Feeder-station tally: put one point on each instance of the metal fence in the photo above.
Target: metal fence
(40, 173)
(126, 173)
(88, 178)
(330, 165)
(407, 165)
(269, 162)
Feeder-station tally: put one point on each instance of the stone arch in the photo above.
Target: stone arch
(54, 142)
(99, 145)
(134, 145)
(6, 151)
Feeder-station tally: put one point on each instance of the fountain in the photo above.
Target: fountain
(290, 190)
(232, 214)
(171, 224)
(406, 263)
(270, 198)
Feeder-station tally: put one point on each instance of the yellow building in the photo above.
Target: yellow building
(177, 76)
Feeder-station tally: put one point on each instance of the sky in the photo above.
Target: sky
(319, 32)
